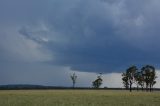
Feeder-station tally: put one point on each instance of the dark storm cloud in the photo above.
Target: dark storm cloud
(87, 35)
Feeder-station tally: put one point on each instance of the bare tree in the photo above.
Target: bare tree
(73, 78)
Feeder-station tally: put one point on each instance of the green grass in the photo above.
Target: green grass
(78, 98)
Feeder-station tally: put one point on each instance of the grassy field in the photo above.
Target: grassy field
(78, 98)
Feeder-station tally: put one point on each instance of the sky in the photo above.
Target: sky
(45, 41)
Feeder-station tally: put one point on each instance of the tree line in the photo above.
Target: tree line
(144, 78)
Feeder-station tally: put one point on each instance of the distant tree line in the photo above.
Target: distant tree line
(144, 78)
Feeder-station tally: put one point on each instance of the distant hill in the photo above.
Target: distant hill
(28, 86)
(32, 87)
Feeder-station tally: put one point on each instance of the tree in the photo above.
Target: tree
(130, 72)
(141, 80)
(73, 78)
(149, 75)
(137, 78)
(146, 76)
(98, 82)
(152, 79)
(125, 80)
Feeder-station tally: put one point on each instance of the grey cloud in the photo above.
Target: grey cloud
(37, 73)
(42, 42)
(92, 35)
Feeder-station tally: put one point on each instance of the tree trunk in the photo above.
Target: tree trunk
(147, 87)
(130, 87)
(150, 87)
(137, 88)
(73, 84)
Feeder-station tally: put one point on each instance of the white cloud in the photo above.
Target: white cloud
(157, 85)
(113, 80)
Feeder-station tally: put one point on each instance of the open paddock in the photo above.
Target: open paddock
(78, 98)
